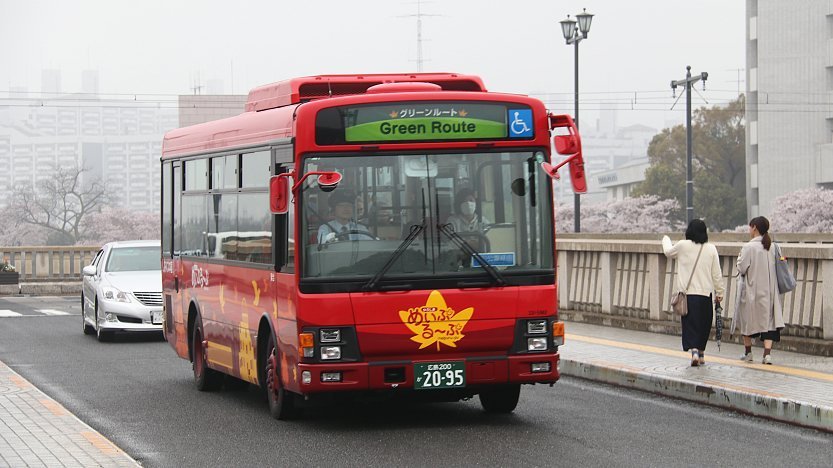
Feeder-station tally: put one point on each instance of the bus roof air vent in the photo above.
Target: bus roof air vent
(413, 87)
(298, 90)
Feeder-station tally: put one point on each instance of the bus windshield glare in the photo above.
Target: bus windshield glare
(428, 216)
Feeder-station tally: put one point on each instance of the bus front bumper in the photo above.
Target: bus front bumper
(393, 375)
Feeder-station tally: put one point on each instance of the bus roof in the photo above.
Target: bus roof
(271, 109)
(308, 88)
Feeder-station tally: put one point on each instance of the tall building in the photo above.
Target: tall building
(789, 88)
(194, 109)
(118, 141)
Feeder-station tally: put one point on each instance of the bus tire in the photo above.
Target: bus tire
(205, 379)
(502, 399)
(282, 405)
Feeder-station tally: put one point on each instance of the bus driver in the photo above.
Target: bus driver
(342, 227)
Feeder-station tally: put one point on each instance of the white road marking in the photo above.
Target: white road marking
(52, 312)
(9, 313)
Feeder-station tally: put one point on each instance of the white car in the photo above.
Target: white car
(122, 289)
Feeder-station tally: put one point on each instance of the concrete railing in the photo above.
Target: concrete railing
(633, 278)
(49, 263)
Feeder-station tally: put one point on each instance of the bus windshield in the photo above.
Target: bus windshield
(427, 215)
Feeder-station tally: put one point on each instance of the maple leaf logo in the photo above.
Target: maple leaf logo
(393, 114)
(463, 113)
(435, 322)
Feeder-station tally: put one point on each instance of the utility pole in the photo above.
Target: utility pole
(419, 15)
(689, 182)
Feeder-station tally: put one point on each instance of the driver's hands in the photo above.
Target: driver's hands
(329, 238)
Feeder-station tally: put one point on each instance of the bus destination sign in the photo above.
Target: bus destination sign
(423, 121)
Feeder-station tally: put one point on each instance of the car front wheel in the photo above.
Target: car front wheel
(88, 330)
(102, 335)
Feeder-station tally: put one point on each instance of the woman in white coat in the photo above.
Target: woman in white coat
(758, 312)
(698, 267)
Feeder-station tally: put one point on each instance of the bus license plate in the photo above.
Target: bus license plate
(156, 317)
(438, 375)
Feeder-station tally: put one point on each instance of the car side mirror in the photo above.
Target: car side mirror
(88, 270)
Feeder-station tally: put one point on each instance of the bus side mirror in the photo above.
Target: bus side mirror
(570, 145)
(566, 144)
(279, 193)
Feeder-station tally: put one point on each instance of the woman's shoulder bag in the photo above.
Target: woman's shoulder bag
(679, 301)
(786, 280)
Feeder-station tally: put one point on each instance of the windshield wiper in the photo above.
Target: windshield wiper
(416, 229)
(467, 248)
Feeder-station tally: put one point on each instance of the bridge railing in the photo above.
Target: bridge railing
(632, 277)
(49, 263)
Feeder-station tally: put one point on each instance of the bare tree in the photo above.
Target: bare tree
(59, 203)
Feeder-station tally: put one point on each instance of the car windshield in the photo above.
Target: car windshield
(432, 216)
(133, 259)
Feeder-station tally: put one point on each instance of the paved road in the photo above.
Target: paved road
(138, 394)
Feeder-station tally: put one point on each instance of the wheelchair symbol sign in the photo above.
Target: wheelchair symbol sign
(520, 123)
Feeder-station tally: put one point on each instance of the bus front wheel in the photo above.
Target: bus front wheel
(281, 401)
(502, 399)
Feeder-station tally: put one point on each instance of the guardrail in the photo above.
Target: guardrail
(633, 278)
(49, 263)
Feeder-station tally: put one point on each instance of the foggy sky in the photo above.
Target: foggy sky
(164, 47)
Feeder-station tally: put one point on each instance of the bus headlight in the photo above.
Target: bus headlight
(330, 353)
(536, 344)
(330, 335)
(536, 327)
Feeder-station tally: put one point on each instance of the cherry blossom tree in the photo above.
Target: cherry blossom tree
(647, 213)
(15, 233)
(808, 210)
(119, 224)
(58, 204)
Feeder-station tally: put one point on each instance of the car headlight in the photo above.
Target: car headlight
(113, 294)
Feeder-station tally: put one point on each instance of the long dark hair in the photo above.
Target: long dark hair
(762, 225)
(696, 232)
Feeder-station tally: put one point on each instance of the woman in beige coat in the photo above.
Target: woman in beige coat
(758, 312)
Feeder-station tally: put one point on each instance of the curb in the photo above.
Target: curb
(796, 344)
(800, 413)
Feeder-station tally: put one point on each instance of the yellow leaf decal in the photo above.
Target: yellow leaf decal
(435, 322)
(257, 293)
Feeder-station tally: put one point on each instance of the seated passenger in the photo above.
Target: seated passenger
(465, 218)
(343, 227)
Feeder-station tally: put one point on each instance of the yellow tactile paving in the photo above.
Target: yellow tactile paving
(54, 407)
(731, 362)
(67, 440)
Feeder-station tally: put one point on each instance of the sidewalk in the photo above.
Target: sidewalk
(797, 389)
(37, 431)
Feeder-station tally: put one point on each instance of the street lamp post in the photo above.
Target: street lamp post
(574, 32)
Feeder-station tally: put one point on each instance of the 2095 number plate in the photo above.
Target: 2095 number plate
(439, 375)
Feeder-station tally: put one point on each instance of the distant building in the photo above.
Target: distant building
(194, 109)
(118, 141)
(619, 183)
(789, 86)
(606, 148)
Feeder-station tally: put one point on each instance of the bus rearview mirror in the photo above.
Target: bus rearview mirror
(279, 194)
(566, 144)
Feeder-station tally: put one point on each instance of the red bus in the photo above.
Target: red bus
(367, 233)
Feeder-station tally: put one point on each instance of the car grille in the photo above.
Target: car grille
(149, 298)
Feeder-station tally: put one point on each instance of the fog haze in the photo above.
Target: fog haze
(169, 47)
